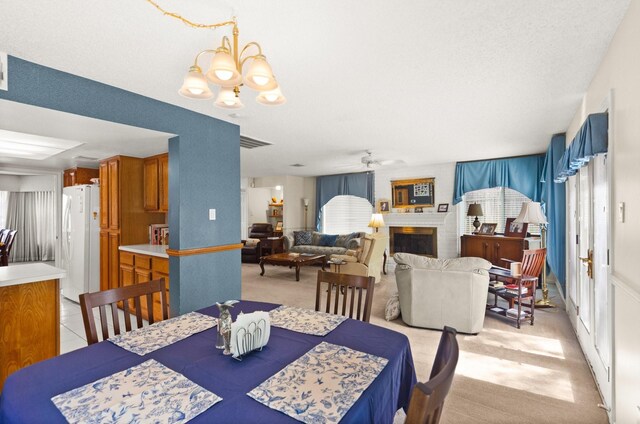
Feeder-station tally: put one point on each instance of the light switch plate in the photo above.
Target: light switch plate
(621, 212)
(4, 71)
(212, 214)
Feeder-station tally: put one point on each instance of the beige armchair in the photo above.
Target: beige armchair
(438, 292)
(368, 263)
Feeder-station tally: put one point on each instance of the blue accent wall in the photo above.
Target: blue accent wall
(204, 172)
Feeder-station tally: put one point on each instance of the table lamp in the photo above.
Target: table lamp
(531, 213)
(376, 221)
(475, 210)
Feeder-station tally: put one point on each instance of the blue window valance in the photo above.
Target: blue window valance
(520, 173)
(330, 186)
(591, 139)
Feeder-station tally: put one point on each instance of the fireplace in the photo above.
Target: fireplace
(421, 241)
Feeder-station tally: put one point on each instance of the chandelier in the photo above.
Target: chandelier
(226, 70)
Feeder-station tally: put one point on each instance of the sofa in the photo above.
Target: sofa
(438, 292)
(368, 260)
(321, 244)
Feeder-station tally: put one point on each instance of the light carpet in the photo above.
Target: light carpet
(537, 374)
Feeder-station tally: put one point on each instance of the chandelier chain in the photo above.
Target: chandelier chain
(188, 22)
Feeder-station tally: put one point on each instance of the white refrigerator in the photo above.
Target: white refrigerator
(80, 240)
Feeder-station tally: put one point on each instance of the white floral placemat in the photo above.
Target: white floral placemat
(305, 320)
(149, 392)
(160, 334)
(321, 385)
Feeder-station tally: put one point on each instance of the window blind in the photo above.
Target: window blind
(346, 214)
(498, 204)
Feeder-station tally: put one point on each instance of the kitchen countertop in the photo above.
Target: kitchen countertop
(147, 249)
(14, 275)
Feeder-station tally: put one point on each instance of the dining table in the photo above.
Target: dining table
(27, 393)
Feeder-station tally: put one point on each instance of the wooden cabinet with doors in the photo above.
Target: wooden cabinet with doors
(156, 183)
(123, 220)
(77, 175)
(493, 248)
(136, 268)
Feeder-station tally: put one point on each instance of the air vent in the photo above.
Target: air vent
(251, 143)
(297, 165)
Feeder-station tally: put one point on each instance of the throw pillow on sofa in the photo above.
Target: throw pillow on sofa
(302, 238)
(327, 240)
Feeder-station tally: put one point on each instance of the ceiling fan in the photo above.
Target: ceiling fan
(370, 162)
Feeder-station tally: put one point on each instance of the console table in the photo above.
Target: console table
(493, 248)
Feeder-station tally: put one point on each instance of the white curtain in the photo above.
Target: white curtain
(4, 200)
(32, 214)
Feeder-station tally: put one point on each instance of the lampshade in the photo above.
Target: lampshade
(531, 213)
(474, 210)
(227, 99)
(260, 76)
(195, 85)
(376, 221)
(271, 97)
(223, 71)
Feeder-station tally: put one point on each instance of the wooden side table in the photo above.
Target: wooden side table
(272, 245)
(525, 292)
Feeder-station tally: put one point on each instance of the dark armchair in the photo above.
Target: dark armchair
(252, 249)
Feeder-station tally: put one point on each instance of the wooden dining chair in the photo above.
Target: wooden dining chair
(122, 296)
(427, 399)
(7, 236)
(344, 286)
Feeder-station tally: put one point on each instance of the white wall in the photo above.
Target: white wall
(446, 223)
(9, 183)
(294, 190)
(620, 72)
(258, 200)
(26, 182)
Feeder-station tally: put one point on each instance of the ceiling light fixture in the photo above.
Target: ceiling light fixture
(225, 70)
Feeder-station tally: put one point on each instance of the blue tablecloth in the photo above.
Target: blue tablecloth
(26, 397)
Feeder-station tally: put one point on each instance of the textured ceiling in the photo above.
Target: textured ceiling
(419, 81)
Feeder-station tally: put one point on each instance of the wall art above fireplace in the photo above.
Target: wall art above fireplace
(413, 193)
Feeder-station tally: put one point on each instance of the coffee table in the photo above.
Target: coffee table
(292, 260)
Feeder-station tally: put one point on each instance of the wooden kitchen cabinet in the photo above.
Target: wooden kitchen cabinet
(123, 219)
(136, 268)
(156, 183)
(77, 175)
(493, 248)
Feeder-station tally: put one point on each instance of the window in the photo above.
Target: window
(498, 204)
(346, 214)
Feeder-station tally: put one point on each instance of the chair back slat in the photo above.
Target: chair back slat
(427, 399)
(122, 296)
(342, 286)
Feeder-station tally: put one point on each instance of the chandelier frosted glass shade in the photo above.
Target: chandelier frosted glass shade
(195, 85)
(227, 99)
(223, 70)
(260, 76)
(271, 97)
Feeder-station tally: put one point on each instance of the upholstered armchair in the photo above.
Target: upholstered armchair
(252, 246)
(367, 261)
(438, 292)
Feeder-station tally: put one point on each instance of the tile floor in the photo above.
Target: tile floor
(72, 335)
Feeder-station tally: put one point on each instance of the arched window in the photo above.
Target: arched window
(346, 214)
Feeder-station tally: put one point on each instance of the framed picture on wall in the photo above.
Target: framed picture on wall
(443, 207)
(278, 226)
(487, 229)
(515, 229)
(383, 206)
